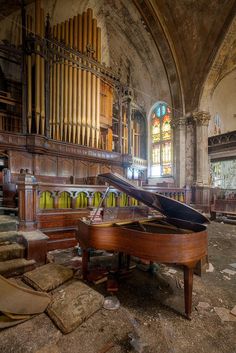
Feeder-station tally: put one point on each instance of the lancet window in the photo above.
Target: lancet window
(161, 140)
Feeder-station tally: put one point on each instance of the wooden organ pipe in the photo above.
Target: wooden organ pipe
(66, 120)
(75, 75)
(93, 93)
(62, 97)
(42, 77)
(84, 80)
(89, 77)
(37, 67)
(70, 83)
(98, 88)
(29, 78)
(79, 82)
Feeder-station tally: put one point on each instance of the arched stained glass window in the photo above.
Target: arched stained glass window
(161, 138)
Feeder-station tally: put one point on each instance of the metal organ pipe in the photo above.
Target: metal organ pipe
(29, 25)
(62, 83)
(79, 81)
(88, 100)
(66, 84)
(70, 82)
(98, 88)
(84, 79)
(74, 81)
(37, 67)
(42, 78)
(75, 74)
(93, 93)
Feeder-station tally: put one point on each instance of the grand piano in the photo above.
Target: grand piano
(179, 237)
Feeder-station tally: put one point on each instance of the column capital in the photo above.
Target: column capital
(178, 122)
(202, 118)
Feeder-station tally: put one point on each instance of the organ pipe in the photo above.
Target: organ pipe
(94, 47)
(62, 97)
(75, 74)
(54, 89)
(42, 78)
(70, 83)
(98, 88)
(37, 67)
(66, 84)
(84, 80)
(79, 95)
(58, 83)
(75, 90)
(29, 25)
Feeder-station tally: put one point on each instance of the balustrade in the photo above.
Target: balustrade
(54, 196)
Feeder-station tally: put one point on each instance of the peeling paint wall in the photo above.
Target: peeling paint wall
(223, 174)
(125, 42)
(223, 106)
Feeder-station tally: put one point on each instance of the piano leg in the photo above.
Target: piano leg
(188, 288)
(85, 260)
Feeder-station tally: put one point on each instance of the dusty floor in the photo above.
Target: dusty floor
(149, 319)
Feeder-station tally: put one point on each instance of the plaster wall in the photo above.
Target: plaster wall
(223, 105)
(126, 43)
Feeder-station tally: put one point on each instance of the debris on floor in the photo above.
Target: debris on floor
(210, 268)
(229, 272)
(202, 305)
(224, 314)
(233, 311)
(111, 303)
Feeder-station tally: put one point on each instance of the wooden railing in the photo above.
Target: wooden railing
(179, 194)
(56, 208)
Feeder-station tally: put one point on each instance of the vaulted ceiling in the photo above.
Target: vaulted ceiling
(187, 34)
(194, 30)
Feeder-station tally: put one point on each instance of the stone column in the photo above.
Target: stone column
(202, 165)
(179, 131)
(190, 151)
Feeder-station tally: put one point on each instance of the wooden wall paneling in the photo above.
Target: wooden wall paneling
(46, 165)
(104, 168)
(80, 169)
(93, 170)
(19, 160)
(65, 167)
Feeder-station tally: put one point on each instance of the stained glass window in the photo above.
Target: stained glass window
(161, 138)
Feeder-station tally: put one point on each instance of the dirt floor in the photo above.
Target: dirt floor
(149, 318)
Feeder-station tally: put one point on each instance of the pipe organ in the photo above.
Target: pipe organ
(81, 89)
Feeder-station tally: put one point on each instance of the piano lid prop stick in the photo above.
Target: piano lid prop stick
(100, 204)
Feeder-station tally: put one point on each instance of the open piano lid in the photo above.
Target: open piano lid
(167, 206)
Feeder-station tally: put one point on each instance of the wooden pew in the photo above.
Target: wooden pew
(224, 207)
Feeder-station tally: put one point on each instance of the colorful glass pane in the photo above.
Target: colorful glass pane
(156, 130)
(166, 128)
(163, 110)
(161, 141)
(156, 154)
